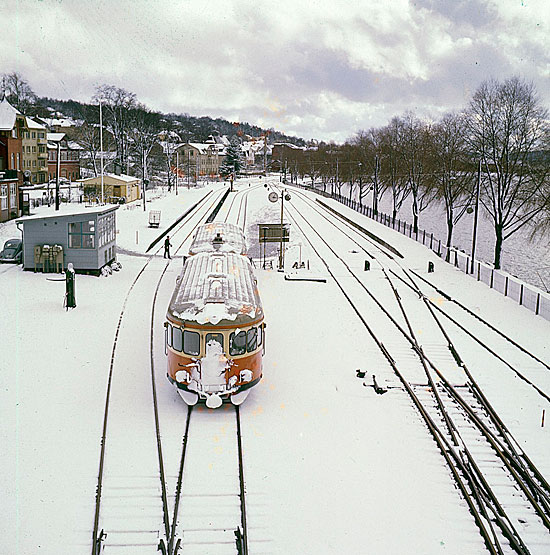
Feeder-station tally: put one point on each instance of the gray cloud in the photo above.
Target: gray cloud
(322, 69)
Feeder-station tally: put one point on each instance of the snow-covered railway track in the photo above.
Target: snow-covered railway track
(130, 506)
(505, 525)
(522, 362)
(509, 354)
(209, 504)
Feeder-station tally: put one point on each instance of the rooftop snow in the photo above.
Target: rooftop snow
(31, 124)
(233, 238)
(8, 115)
(65, 210)
(215, 288)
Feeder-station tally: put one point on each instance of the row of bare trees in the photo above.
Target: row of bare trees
(497, 150)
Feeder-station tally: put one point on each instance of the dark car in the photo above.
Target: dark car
(13, 251)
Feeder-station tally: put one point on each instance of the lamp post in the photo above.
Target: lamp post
(274, 197)
(284, 196)
(177, 170)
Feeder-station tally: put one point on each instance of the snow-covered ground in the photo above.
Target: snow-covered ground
(330, 466)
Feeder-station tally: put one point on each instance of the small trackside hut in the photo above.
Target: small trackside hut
(214, 331)
(87, 238)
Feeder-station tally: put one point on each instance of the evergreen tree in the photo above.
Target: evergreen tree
(233, 162)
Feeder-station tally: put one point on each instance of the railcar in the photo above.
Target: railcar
(214, 329)
(218, 236)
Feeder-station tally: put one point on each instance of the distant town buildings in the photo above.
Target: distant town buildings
(12, 125)
(30, 147)
(69, 157)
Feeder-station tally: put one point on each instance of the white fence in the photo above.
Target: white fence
(526, 295)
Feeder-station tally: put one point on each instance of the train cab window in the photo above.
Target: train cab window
(176, 339)
(216, 337)
(237, 343)
(191, 343)
(169, 335)
(252, 339)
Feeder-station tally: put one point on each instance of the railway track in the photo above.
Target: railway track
(208, 508)
(505, 493)
(149, 510)
(534, 369)
(129, 496)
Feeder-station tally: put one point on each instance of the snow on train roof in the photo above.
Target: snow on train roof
(233, 238)
(214, 287)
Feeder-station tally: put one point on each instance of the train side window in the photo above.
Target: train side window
(176, 339)
(169, 335)
(216, 337)
(252, 339)
(237, 343)
(191, 343)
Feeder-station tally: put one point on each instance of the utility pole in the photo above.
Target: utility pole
(57, 175)
(101, 147)
(143, 180)
(375, 186)
(475, 216)
(188, 167)
(177, 169)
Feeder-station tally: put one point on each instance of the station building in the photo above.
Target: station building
(115, 187)
(87, 238)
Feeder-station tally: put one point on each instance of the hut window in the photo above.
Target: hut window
(82, 235)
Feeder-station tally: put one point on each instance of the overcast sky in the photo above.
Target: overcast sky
(313, 68)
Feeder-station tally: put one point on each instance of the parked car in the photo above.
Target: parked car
(12, 252)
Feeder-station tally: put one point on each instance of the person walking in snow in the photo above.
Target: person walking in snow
(167, 246)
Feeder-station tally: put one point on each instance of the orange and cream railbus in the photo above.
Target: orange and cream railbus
(214, 329)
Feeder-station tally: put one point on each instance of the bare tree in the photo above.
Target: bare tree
(117, 103)
(144, 135)
(507, 125)
(413, 146)
(454, 176)
(391, 164)
(369, 154)
(18, 92)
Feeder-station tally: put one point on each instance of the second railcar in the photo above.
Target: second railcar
(218, 236)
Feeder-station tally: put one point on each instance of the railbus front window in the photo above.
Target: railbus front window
(191, 343)
(237, 343)
(176, 339)
(169, 335)
(216, 337)
(252, 339)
